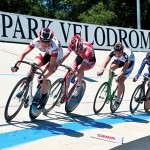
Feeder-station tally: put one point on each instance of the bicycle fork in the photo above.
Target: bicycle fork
(30, 93)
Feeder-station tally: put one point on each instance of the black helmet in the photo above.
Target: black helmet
(118, 47)
(46, 34)
(148, 56)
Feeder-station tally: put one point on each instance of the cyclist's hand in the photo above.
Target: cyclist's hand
(72, 79)
(99, 73)
(134, 79)
(14, 69)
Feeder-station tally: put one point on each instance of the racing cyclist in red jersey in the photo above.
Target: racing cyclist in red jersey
(84, 61)
(50, 53)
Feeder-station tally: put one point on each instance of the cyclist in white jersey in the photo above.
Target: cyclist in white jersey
(123, 58)
(50, 53)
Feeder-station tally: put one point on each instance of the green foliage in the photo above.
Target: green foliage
(120, 13)
(98, 14)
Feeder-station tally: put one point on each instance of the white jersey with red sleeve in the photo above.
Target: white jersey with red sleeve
(54, 49)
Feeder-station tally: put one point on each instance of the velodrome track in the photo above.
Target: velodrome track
(61, 131)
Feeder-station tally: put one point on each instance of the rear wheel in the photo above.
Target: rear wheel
(112, 108)
(100, 98)
(74, 101)
(16, 99)
(136, 98)
(147, 101)
(35, 109)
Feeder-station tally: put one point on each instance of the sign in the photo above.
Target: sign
(22, 29)
(107, 136)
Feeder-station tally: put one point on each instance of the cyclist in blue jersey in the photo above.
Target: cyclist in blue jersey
(146, 61)
(124, 58)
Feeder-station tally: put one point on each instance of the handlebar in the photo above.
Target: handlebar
(33, 66)
(67, 67)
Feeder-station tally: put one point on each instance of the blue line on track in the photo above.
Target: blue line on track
(48, 129)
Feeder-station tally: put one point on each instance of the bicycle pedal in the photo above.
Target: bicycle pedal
(107, 102)
(58, 104)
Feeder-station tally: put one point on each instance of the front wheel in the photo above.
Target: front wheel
(75, 99)
(136, 98)
(35, 108)
(55, 94)
(147, 101)
(16, 99)
(100, 98)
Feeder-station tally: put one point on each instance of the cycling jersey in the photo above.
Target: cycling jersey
(54, 49)
(127, 55)
(144, 62)
(87, 53)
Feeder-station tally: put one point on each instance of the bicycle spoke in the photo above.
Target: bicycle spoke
(136, 98)
(100, 98)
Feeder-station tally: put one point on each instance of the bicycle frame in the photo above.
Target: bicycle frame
(34, 67)
(110, 94)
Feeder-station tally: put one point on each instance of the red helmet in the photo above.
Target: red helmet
(76, 43)
(46, 34)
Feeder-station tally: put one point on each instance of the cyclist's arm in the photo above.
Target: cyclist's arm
(141, 68)
(107, 60)
(66, 54)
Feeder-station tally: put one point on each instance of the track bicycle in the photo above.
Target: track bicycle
(105, 95)
(58, 93)
(140, 95)
(21, 94)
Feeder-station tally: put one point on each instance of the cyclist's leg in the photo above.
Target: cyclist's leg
(123, 78)
(115, 65)
(83, 65)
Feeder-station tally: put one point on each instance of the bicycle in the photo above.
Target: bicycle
(21, 95)
(106, 95)
(57, 97)
(140, 95)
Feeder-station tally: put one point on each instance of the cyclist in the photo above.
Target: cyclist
(123, 58)
(145, 61)
(50, 53)
(84, 61)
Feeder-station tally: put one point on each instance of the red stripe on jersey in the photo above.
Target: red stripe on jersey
(54, 54)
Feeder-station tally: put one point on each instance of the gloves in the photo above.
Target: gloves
(14, 69)
(135, 79)
(99, 73)
(72, 79)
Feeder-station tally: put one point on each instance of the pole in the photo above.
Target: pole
(138, 14)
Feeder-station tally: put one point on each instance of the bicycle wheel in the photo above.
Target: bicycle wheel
(136, 98)
(147, 101)
(55, 94)
(112, 102)
(16, 99)
(35, 111)
(100, 98)
(74, 101)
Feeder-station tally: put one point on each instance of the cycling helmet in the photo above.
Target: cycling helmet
(118, 47)
(148, 56)
(76, 43)
(46, 34)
